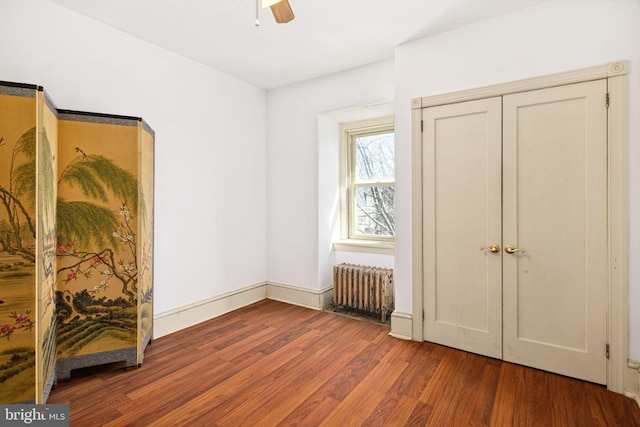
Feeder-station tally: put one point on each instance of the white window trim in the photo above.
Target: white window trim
(370, 246)
(381, 245)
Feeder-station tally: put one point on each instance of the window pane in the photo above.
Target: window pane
(374, 158)
(375, 212)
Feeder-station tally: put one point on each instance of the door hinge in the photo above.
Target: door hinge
(423, 314)
(422, 125)
(607, 100)
(607, 350)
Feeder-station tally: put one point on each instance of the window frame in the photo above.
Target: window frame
(350, 240)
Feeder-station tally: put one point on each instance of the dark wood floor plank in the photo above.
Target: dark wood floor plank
(420, 415)
(149, 405)
(277, 394)
(208, 401)
(417, 376)
(378, 379)
(354, 409)
(385, 375)
(311, 412)
(344, 380)
(504, 402)
(392, 411)
(456, 381)
(274, 355)
(274, 364)
(484, 394)
(323, 356)
(267, 404)
(103, 412)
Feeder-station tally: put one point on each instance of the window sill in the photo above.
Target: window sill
(370, 246)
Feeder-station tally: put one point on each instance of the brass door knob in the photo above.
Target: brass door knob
(512, 249)
(491, 248)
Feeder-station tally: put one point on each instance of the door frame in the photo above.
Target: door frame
(617, 235)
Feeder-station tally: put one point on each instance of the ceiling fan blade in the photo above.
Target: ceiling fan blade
(282, 12)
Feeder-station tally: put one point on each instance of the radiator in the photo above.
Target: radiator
(363, 288)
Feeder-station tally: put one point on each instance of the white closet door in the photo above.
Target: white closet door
(461, 214)
(555, 210)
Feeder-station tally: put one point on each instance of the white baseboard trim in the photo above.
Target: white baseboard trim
(188, 315)
(634, 396)
(632, 386)
(201, 311)
(401, 326)
(304, 297)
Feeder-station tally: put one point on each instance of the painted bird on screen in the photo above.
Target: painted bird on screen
(80, 152)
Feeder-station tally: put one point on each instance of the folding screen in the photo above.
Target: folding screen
(76, 241)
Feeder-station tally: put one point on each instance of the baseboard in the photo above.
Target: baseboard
(201, 311)
(401, 325)
(303, 297)
(632, 382)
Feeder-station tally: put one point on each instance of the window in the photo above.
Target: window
(368, 190)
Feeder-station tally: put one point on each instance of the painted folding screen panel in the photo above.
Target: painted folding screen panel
(98, 270)
(18, 217)
(46, 197)
(145, 238)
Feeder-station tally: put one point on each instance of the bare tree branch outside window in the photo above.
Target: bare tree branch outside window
(373, 185)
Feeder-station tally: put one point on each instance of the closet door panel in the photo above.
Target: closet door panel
(461, 220)
(555, 211)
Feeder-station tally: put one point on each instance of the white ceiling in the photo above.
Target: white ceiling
(325, 37)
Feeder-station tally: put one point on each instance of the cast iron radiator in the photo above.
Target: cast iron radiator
(364, 288)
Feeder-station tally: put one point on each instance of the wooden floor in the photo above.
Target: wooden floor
(274, 364)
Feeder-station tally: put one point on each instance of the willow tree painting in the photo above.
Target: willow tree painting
(27, 245)
(17, 251)
(19, 229)
(98, 270)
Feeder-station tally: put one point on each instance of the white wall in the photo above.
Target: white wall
(549, 38)
(301, 200)
(210, 202)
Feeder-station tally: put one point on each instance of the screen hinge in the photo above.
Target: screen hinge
(607, 100)
(607, 350)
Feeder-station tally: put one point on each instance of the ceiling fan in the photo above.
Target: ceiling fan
(281, 10)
